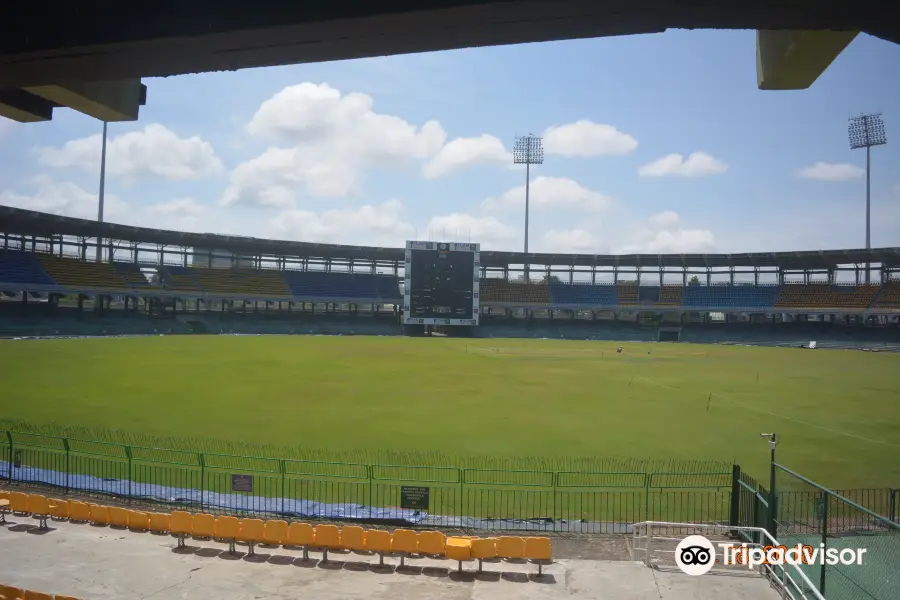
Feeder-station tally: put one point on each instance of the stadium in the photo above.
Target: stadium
(595, 368)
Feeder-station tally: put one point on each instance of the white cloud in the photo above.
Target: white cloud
(664, 220)
(379, 225)
(465, 152)
(586, 138)
(573, 241)
(823, 171)
(697, 164)
(663, 234)
(154, 151)
(552, 191)
(488, 231)
(65, 199)
(327, 140)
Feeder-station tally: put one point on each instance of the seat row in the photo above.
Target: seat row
(8, 592)
(277, 532)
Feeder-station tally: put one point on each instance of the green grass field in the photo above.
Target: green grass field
(441, 401)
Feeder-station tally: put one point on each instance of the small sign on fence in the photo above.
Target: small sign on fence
(17, 459)
(242, 483)
(414, 497)
(820, 508)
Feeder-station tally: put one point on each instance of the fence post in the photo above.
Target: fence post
(202, 460)
(65, 442)
(735, 495)
(555, 481)
(892, 504)
(9, 464)
(370, 469)
(824, 543)
(283, 469)
(130, 470)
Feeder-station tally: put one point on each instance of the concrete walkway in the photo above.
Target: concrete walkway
(102, 563)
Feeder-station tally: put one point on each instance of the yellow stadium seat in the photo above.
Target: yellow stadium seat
(484, 548)
(353, 537)
(301, 535)
(159, 522)
(40, 508)
(459, 549)
(511, 547)
(204, 526)
(228, 529)
(537, 550)
(79, 511)
(252, 532)
(59, 509)
(138, 520)
(18, 503)
(328, 537)
(276, 532)
(12, 592)
(118, 517)
(378, 541)
(99, 514)
(431, 543)
(58, 597)
(181, 524)
(404, 542)
(32, 595)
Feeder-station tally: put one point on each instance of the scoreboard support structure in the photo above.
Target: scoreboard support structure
(440, 285)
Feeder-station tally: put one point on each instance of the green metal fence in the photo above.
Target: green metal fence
(811, 514)
(481, 498)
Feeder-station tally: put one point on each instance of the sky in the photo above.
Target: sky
(655, 143)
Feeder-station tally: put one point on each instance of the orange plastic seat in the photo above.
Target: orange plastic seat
(99, 514)
(328, 537)
(118, 517)
(252, 532)
(32, 595)
(228, 529)
(353, 537)
(378, 541)
(138, 520)
(58, 597)
(79, 511)
(458, 549)
(404, 542)
(159, 522)
(39, 507)
(18, 503)
(301, 535)
(537, 550)
(59, 509)
(431, 543)
(511, 547)
(12, 592)
(484, 548)
(204, 526)
(181, 524)
(276, 532)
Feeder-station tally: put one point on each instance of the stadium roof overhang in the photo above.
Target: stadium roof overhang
(49, 51)
(31, 223)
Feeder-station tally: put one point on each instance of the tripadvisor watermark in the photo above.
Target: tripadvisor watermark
(696, 555)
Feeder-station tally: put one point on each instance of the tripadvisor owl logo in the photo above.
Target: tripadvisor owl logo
(695, 555)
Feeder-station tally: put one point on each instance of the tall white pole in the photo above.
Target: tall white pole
(102, 192)
(527, 182)
(868, 208)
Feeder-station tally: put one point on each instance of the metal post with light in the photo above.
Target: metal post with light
(773, 442)
(866, 131)
(528, 150)
(102, 192)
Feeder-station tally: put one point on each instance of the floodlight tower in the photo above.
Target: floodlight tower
(866, 131)
(102, 192)
(529, 150)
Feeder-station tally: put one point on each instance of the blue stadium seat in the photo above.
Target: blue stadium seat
(350, 286)
(21, 267)
(730, 296)
(582, 294)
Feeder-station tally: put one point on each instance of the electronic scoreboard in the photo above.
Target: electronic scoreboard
(440, 285)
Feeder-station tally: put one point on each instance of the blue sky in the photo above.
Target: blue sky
(382, 150)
